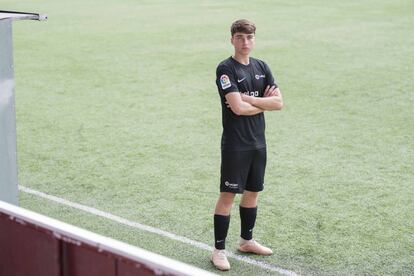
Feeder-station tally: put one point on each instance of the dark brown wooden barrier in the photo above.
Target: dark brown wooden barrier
(34, 245)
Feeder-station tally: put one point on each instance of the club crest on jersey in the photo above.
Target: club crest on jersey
(225, 81)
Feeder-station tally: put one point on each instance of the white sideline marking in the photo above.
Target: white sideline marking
(154, 230)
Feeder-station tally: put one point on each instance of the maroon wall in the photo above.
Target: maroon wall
(25, 250)
(30, 250)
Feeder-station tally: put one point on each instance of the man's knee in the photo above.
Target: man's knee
(224, 203)
(227, 199)
(250, 195)
(249, 199)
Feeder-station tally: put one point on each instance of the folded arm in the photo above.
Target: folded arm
(239, 106)
(272, 99)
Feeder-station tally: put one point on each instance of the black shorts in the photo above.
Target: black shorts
(242, 170)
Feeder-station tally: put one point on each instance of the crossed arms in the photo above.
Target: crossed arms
(242, 104)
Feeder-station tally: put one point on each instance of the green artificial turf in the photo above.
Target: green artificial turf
(117, 109)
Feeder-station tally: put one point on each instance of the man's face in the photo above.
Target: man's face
(243, 43)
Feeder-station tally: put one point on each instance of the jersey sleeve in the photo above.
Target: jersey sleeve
(270, 80)
(225, 80)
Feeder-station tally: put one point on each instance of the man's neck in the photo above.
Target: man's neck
(243, 59)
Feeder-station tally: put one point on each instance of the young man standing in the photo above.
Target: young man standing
(247, 89)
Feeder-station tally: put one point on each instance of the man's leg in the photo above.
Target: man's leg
(233, 173)
(222, 218)
(248, 212)
(221, 226)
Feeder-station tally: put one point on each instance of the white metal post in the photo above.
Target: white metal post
(8, 152)
(8, 148)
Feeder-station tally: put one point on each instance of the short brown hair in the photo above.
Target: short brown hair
(243, 26)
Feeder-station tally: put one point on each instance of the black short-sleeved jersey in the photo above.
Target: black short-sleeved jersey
(242, 133)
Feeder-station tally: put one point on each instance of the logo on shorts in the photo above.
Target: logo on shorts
(225, 81)
(231, 185)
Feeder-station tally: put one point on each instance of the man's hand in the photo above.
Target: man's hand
(270, 91)
(238, 106)
(271, 100)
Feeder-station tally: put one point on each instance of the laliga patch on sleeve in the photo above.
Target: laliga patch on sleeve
(225, 81)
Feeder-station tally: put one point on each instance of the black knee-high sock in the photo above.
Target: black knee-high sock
(221, 226)
(247, 218)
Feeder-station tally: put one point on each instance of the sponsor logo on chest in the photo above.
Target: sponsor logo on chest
(252, 93)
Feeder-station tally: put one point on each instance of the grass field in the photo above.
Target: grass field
(117, 109)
